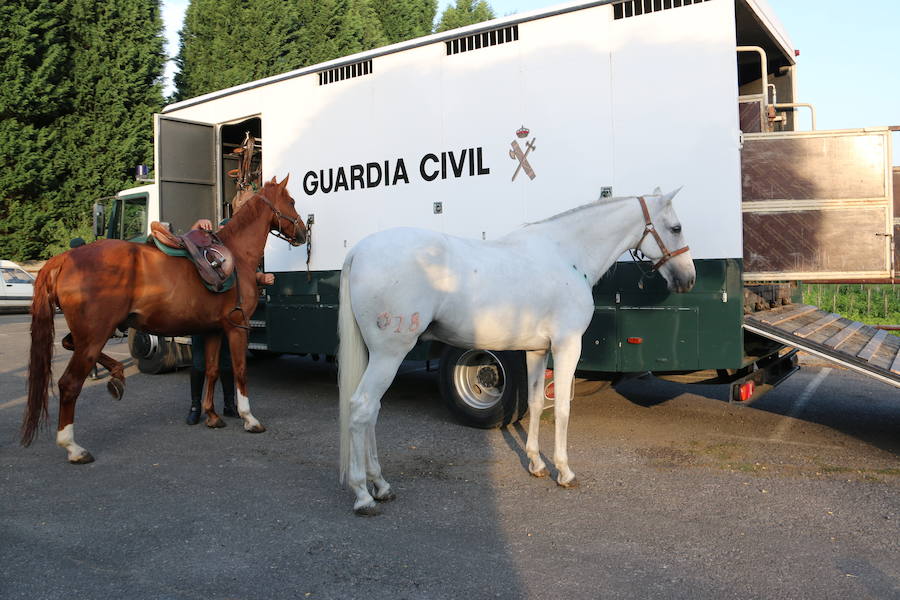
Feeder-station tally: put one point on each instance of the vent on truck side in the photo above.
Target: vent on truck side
(346, 72)
(635, 8)
(483, 40)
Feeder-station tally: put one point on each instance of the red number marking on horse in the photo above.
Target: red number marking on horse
(384, 320)
(414, 322)
(399, 323)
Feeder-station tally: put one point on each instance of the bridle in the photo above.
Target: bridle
(297, 223)
(649, 229)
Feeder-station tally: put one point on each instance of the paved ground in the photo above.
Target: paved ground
(682, 495)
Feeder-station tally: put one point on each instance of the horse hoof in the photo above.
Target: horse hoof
(366, 511)
(258, 428)
(84, 459)
(215, 423)
(116, 388)
(390, 496)
(573, 483)
(542, 472)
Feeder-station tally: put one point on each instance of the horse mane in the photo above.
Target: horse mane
(564, 214)
(247, 213)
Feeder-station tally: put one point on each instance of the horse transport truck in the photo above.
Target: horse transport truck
(477, 131)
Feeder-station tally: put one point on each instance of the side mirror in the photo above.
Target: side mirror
(99, 214)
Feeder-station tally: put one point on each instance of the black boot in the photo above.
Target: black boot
(197, 379)
(227, 378)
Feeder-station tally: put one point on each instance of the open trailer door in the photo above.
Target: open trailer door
(817, 205)
(185, 171)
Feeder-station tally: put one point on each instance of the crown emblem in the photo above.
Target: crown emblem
(523, 132)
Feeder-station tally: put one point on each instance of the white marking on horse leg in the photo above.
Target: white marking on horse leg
(536, 364)
(373, 468)
(250, 422)
(65, 438)
(565, 358)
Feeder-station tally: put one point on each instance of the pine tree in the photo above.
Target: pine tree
(466, 12)
(335, 28)
(406, 19)
(78, 118)
(360, 29)
(118, 58)
(34, 69)
(229, 42)
(205, 44)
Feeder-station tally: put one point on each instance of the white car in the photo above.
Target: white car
(17, 288)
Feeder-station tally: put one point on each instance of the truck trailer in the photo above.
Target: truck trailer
(479, 130)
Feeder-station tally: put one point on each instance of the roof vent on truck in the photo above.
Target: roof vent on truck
(350, 71)
(484, 39)
(635, 8)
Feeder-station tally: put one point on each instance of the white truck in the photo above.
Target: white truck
(478, 130)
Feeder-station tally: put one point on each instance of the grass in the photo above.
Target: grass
(876, 304)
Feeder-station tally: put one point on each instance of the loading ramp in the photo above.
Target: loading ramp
(851, 344)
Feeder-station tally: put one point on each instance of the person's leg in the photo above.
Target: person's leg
(198, 375)
(226, 376)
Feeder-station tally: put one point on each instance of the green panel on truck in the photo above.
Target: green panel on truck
(301, 314)
(658, 338)
(701, 329)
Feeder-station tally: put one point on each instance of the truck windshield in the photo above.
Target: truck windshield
(127, 217)
(134, 218)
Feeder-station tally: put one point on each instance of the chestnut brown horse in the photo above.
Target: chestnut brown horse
(114, 283)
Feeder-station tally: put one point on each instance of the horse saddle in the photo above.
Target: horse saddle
(213, 260)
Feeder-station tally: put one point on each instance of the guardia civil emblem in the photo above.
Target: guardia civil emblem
(517, 154)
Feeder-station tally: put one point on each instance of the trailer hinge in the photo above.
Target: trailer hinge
(618, 298)
(724, 297)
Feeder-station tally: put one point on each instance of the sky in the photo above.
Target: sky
(849, 55)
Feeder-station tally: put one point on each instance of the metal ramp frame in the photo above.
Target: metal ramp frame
(852, 344)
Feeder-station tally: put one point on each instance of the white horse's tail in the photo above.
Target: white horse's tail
(353, 357)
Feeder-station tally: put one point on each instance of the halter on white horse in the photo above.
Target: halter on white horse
(529, 290)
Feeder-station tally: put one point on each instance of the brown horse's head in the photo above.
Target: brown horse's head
(285, 219)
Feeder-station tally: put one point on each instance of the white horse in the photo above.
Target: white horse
(529, 290)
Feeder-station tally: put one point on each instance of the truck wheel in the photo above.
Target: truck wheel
(484, 388)
(154, 354)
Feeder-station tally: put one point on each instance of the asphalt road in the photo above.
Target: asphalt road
(682, 495)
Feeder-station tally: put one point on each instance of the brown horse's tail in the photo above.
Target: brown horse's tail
(42, 333)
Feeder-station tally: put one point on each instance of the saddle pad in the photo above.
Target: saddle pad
(229, 283)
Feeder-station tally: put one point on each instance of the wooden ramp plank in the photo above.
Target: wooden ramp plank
(787, 315)
(813, 327)
(895, 368)
(872, 346)
(841, 336)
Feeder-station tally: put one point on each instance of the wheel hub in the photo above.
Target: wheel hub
(479, 379)
(145, 345)
(488, 376)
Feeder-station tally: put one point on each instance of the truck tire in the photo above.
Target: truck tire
(154, 354)
(484, 388)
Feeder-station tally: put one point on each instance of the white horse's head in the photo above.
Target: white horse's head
(663, 242)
